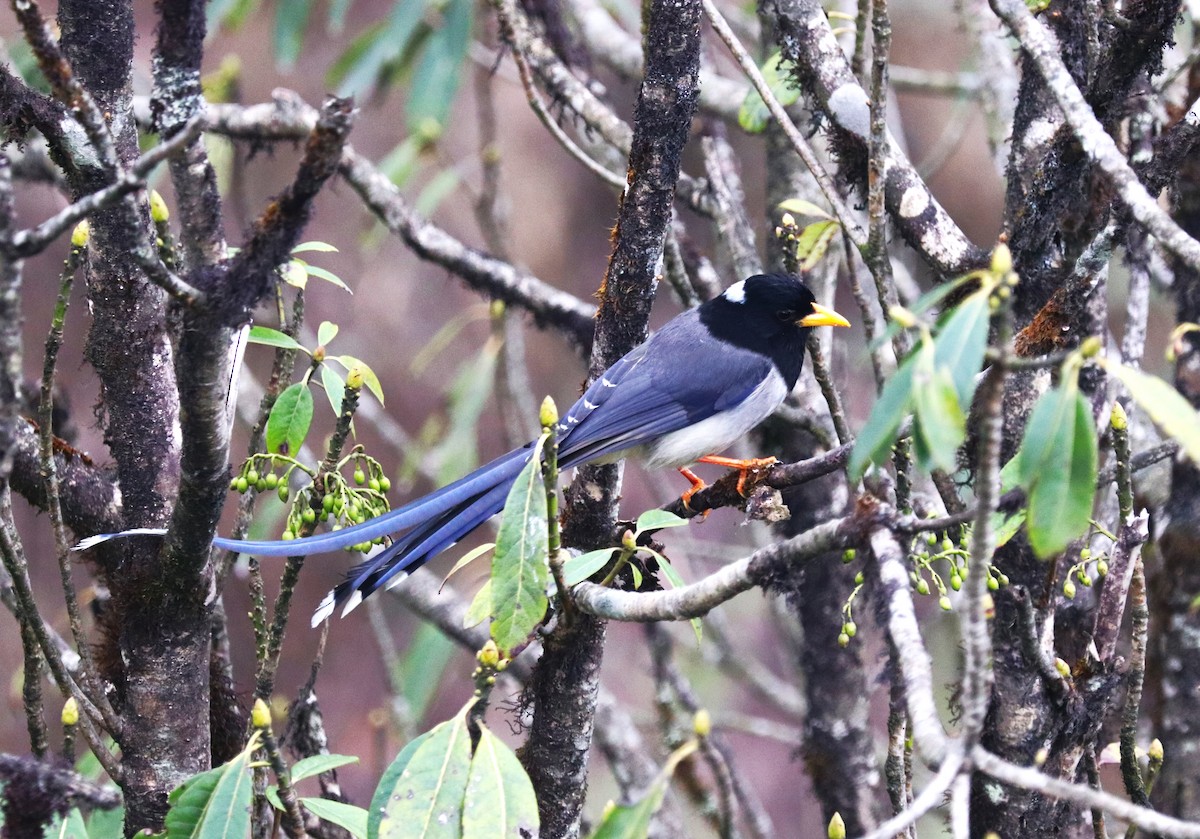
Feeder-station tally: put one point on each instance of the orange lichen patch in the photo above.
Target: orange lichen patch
(1049, 331)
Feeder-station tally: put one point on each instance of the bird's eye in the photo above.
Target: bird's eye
(786, 315)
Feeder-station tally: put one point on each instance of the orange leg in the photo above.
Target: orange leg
(744, 467)
(697, 485)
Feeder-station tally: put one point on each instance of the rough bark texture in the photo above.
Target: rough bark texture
(1178, 653)
(567, 677)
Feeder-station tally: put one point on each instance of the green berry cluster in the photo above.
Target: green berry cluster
(1079, 572)
(337, 501)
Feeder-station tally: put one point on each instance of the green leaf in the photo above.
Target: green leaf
(353, 819)
(315, 765)
(457, 451)
(334, 386)
(372, 55)
(499, 800)
(940, 426)
(676, 581)
(326, 332)
(466, 559)
(480, 608)
(754, 116)
(327, 276)
(519, 569)
(291, 18)
(290, 418)
(1058, 464)
(1166, 406)
(814, 242)
(801, 207)
(318, 247)
(214, 804)
(105, 824)
(579, 568)
(436, 77)
(657, 520)
(923, 304)
(369, 377)
(71, 827)
(269, 337)
(294, 272)
(419, 671)
(391, 776)
(961, 343)
(426, 801)
(632, 821)
(879, 434)
(440, 187)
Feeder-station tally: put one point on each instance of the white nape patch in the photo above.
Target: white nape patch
(323, 612)
(736, 293)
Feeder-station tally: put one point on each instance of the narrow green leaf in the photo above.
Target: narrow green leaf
(923, 304)
(814, 242)
(632, 821)
(426, 801)
(466, 559)
(499, 801)
(334, 386)
(291, 18)
(801, 207)
(457, 452)
(754, 116)
(440, 187)
(326, 332)
(961, 343)
(1174, 416)
(391, 777)
(480, 608)
(369, 377)
(940, 426)
(435, 80)
(879, 434)
(657, 520)
(579, 568)
(353, 819)
(419, 671)
(669, 571)
(105, 824)
(315, 765)
(214, 804)
(269, 337)
(327, 276)
(295, 273)
(1058, 469)
(318, 247)
(519, 569)
(289, 420)
(70, 827)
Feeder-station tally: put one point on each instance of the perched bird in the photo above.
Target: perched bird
(700, 383)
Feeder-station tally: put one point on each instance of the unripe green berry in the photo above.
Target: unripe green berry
(243, 484)
(1003, 579)
(848, 555)
(993, 584)
(260, 484)
(944, 602)
(922, 587)
(947, 544)
(955, 582)
(309, 516)
(843, 640)
(859, 578)
(1086, 580)
(850, 628)
(385, 484)
(272, 480)
(252, 476)
(284, 491)
(288, 535)
(233, 484)
(360, 477)
(1069, 590)
(1102, 568)
(327, 503)
(1085, 554)
(373, 485)
(931, 539)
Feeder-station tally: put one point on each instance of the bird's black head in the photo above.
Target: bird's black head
(769, 314)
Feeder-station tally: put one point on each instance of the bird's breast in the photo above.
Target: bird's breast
(718, 432)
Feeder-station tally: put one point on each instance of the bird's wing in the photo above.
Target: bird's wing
(679, 377)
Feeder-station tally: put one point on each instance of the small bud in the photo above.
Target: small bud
(788, 220)
(1043, 754)
(489, 654)
(1091, 346)
(1118, 419)
(70, 712)
(1155, 751)
(354, 379)
(849, 555)
(1063, 668)
(1102, 568)
(319, 353)
(627, 541)
(79, 236)
(837, 827)
(260, 715)
(944, 602)
(548, 415)
(859, 578)
(159, 213)
(702, 723)
(922, 587)
(1002, 260)
(902, 316)
(496, 309)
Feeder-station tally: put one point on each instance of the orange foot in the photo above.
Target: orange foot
(697, 485)
(744, 467)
